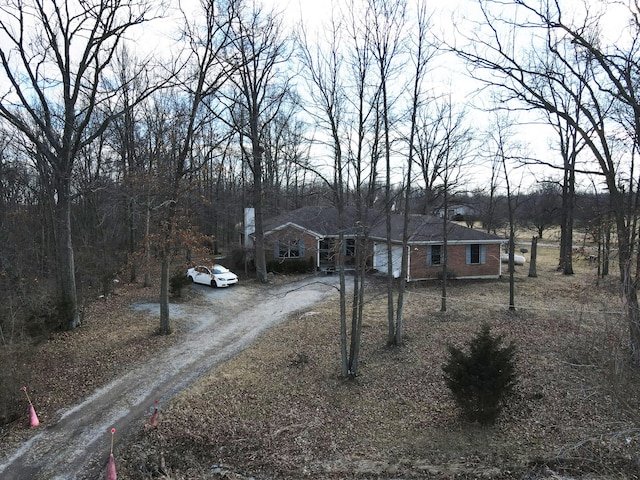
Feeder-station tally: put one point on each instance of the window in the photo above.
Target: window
(326, 250)
(350, 247)
(476, 254)
(289, 249)
(435, 255)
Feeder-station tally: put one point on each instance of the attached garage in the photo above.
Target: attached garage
(381, 259)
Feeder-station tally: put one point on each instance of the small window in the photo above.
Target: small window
(435, 254)
(476, 254)
(350, 247)
(290, 249)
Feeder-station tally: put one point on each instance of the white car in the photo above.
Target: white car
(218, 276)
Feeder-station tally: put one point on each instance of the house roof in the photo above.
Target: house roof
(430, 229)
(319, 221)
(323, 222)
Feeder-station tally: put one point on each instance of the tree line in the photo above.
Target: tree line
(115, 156)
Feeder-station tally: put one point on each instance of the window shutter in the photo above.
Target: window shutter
(301, 247)
(276, 250)
(483, 254)
(428, 254)
(468, 254)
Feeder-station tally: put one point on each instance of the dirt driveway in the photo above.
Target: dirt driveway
(218, 325)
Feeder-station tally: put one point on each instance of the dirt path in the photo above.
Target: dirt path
(77, 446)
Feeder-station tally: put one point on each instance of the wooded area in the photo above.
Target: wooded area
(116, 157)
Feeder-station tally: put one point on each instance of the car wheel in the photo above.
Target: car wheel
(190, 279)
(213, 283)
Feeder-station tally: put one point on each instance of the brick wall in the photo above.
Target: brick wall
(456, 263)
(287, 235)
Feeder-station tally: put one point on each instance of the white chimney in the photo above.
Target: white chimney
(249, 225)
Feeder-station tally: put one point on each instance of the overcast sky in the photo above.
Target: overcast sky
(448, 75)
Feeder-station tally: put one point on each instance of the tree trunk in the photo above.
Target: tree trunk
(261, 263)
(532, 261)
(66, 261)
(443, 258)
(165, 326)
(354, 349)
(629, 285)
(567, 230)
(633, 312)
(147, 246)
(358, 302)
(606, 250)
(131, 237)
(512, 268)
(401, 291)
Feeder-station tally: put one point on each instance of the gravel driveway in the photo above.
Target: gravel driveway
(224, 323)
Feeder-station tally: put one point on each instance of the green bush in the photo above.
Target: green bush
(177, 281)
(481, 380)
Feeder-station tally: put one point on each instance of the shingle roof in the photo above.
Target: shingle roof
(427, 228)
(320, 220)
(422, 228)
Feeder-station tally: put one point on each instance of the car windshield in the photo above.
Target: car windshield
(219, 269)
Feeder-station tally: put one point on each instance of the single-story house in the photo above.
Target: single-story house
(313, 233)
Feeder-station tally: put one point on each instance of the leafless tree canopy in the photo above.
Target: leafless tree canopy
(118, 156)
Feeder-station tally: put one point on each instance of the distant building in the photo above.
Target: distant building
(457, 212)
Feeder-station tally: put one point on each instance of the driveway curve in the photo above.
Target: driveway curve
(77, 446)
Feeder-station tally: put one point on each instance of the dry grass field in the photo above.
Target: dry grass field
(280, 410)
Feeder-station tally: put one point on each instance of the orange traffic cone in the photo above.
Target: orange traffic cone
(33, 418)
(153, 421)
(111, 466)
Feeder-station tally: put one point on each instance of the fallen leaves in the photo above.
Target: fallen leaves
(306, 421)
(280, 409)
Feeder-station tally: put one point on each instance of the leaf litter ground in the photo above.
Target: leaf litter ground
(280, 409)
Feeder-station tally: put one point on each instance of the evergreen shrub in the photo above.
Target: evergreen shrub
(482, 379)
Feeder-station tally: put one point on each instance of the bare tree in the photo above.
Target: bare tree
(259, 92)
(601, 78)
(445, 140)
(544, 206)
(201, 75)
(387, 21)
(421, 55)
(341, 100)
(570, 145)
(125, 137)
(323, 67)
(55, 58)
(503, 145)
(430, 165)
